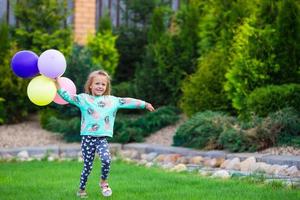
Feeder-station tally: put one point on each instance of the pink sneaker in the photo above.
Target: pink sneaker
(106, 190)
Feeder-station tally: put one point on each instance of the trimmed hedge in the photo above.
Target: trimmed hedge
(272, 98)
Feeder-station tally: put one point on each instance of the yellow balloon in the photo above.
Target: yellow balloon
(41, 90)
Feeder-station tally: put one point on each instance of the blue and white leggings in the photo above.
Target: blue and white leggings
(89, 145)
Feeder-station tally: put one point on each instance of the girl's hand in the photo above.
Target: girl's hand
(149, 107)
(56, 83)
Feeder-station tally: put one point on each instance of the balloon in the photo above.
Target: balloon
(52, 63)
(24, 64)
(66, 84)
(41, 90)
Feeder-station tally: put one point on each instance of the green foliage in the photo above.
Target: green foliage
(203, 90)
(265, 100)
(284, 126)
(170, 54)
(45, 115)
(130, 45)
(42, 26)
(235, 141)
(124, 89)
(215, 130)
(132, 36)
(149, 82)
(287, 46)
(80, 63)
(69, 128)
(12, 89)
(2, 111)
(103, 51)
(202, 130)
(252, 62)
(135, 130)
(105, 23)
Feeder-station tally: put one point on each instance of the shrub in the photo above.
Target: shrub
(69, 128)
(234, 140)
(103, 51)
(278, 128)
(123, 89)
(2, 113)
(265, 100)
(203, 90)
(202, 130)
(252, 62)
(40, 26)
(12, 88)
(136, 130)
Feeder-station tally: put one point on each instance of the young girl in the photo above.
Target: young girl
(98, 111)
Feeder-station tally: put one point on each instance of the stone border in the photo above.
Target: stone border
(216, 163)
(73, 150)
(267, 158)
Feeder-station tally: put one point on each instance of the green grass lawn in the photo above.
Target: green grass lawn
(59, 180)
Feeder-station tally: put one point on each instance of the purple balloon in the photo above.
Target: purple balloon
(52, 63)
(24, 64)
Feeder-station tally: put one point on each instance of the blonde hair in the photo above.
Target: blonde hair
(90, 79)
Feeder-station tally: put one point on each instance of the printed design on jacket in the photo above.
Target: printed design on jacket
(138, 104)
(101, 104)
(122, 101)
(106, 120)
(94, 128)
(83, 124)
(75, 99)
(93, 113)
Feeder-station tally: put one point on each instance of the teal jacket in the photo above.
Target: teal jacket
(98, 113)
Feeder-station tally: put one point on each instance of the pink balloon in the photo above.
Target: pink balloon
(66, 84)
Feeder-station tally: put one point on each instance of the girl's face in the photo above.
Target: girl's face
(99, 85)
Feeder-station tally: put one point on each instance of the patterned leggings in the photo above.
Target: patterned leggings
(89, 145)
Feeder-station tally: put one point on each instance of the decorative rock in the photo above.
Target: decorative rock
(262, 167)
(149, 156)
(142, 162)
(7, 157)
(292, 171)
(234, 164)
(149, 164)
(204, 173)
(133, 154)
(183, 160)
(246, 164)
(224, 164)
(51, 158)
(214, 162)
(172, 158)
(179, 168)
(23, 155)
(196, 160)
(221, 174)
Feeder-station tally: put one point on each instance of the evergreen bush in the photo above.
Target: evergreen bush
(272, 98)
(42, 25)
(16, 106)
(204, 90)
(202, 130)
